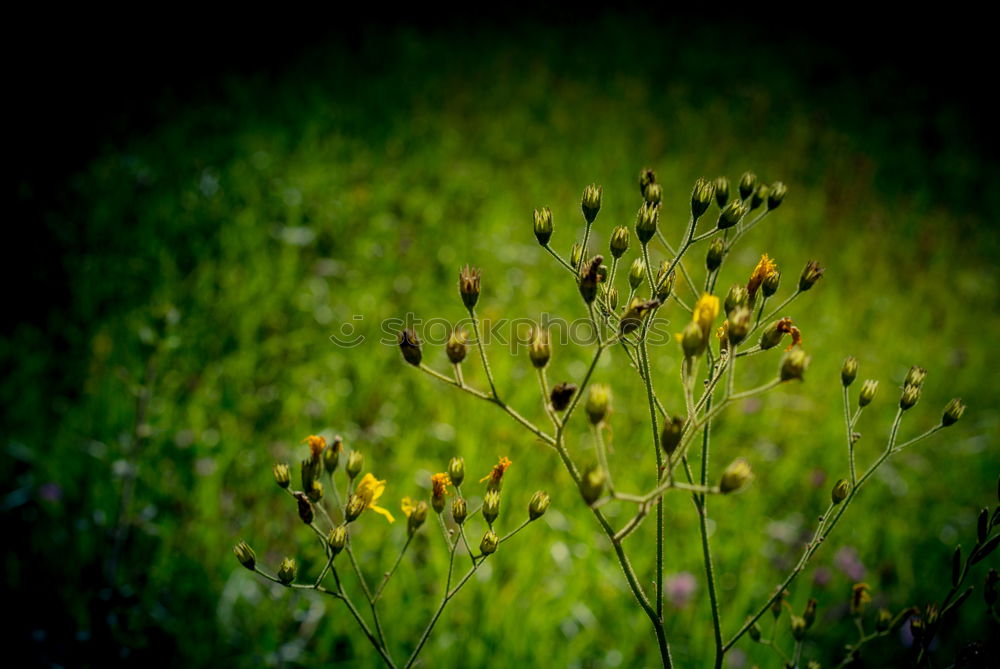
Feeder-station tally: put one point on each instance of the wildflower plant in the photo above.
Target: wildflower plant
(720, 330)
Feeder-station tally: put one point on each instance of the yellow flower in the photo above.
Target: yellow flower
(408, 505)
(369, 490)
(439, 485)
(764, 267)
(316, 446)
(705, 312)
(496, 474)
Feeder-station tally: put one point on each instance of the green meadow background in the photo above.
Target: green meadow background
(209, 258)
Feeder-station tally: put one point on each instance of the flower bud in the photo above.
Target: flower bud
(645, 222)
(909, 398)
(561, 394)
(457, 348)
(664, 282)
(538, 505)
(636, 273)
(859, 598)
(597, 402)
(701, 197)
(754, 632)
(739, 325)
(456, 471)
(849, 371)
(654, 193)
(338, 538)
(732, 214)
(409, 344)
(591, 202)
(771, 336)
(637, 310)
(748, 182)
(287, 571)
(716, 252)
(282, 475)
(794, 364)
(770, 284)
(760, 196)
(776, 604)
(540, 349)
(589, 278)
(776, 195)
(316, 492)
(491, 505)
(576, 255)
(543, 225)
(331, 456)
(245, 555)
(310, 470)
(692, 340)
(868, 391)
(915, 377)
(591, 484)
(798, 625)
(673, 430)
(952, 412)
(489, 544)
(721, 185)
(809, 615)
(840, 491)
(417, 517)
(810, 275)
(883, 621)
(355, 507)
(736, 476)
(468, 286)
(646, 177)
(619, 241)
(355, 461)
(459, 510)
(305, 508)
(612, 298)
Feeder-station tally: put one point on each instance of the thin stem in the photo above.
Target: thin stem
(388, 574)
(560, 259)
(482, 351)
(850, 436)
(701, 502)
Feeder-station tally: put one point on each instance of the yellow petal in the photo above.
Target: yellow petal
(379, 510)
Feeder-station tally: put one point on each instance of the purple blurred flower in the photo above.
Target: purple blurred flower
(679, 588)
(847, 561)
(822, 576)
(50, 492)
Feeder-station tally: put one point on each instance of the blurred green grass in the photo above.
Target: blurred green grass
(224, 247)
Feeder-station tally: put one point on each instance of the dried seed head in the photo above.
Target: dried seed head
(654, 193)
(457, 348)
(673, 430)
(840, 491)
(716, 252)
(731, 214)
(909, 397)
(355, 462)
(589, 278)
(468, 286)
(561, 394)
(598, 402)
(760, 196)
(489, 544)
(245, 555)
(491, 505)
(540, 349)
(748, 182)
(287, 571)
(409, 345)
(776, 195)
(645, 222)
(591, 484)
(952, 412)
(636, 273)
(736, 476)
(810, 275)
(538, 505)
(459, 510)
(619, 241)
(282, 475)
(701, 197)
(794, 364)
(456, 471)
(304, 507)
(849, 371)
(590, 203)
(721, 185)
(868, 391)
(337, 538)
(543, 225)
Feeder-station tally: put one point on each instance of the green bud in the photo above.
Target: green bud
(809, 615)
(915, 377)
(776, 604)
(561, 394)
(245, 555)
(952, 412)
(748, 182)
(409, 344)
(540, 349)
(645, 222)
(646, 177)
(491, 505)
(721, 185)
(736, 476)
(664, 282)
(849, 371)
(576, 255)
(692, 340)
(543, 225)
(701, 197)
(636, 273)
(673, 430)
(909, 398)
(355, 462)
(287, 571)
(840, 490)
(457, 348)
(591, 202)
(538, 505)
(459, 510)
(771, 336)
(776, 195)
(417, 517)
(309, 473)
(760, 196)
(612, 298)
(654, 193)
(810, 275)
(754, 632)
(739, 325)
(737, 296)
(716, 252)
(770, 284)
(282, 475)
(316, 492)
(355, 507)
(489, 544)
(798, 625)
(305, 508)
(868, 391)
(597, 402)
(456, 471)
(732, 214)
(331, 455)
(468, 285)
(338, 538)
(883, 620)
(794, 364)
(619, 241)
(592, 483)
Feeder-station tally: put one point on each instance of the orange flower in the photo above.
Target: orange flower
(760, 272)
(316, 446)
(495, 476)
(439, 485)
(785, 325)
